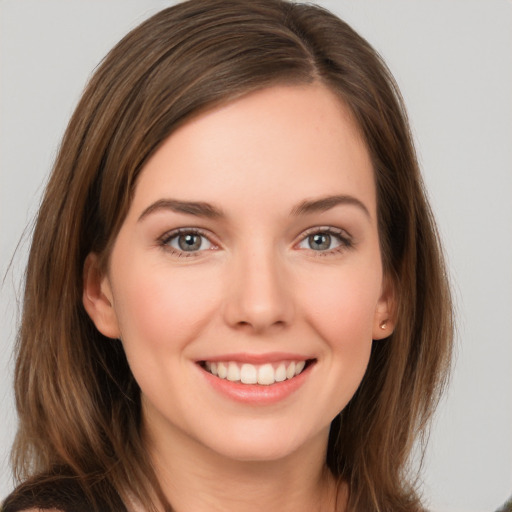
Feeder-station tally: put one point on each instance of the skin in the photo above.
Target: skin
(257, 285)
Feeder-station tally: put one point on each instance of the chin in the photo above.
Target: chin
(266, 443)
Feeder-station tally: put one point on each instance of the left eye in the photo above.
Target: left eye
(323, 241)
(188, 241)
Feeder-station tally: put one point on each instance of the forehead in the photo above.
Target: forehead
(281, 144)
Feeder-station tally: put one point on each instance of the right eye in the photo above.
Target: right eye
(325, 240)
(186, 241)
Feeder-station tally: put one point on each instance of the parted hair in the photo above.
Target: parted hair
(79, 406)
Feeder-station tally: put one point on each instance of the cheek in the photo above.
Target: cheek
(341, 311)
(163, 309)
(342, 306)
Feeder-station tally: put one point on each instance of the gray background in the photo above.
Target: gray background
(453, 63)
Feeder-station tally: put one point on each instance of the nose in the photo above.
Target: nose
(259, 296)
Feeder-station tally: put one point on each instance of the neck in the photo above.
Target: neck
(193, 477)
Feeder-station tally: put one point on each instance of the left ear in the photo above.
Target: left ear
(385, 313)
(98, 298)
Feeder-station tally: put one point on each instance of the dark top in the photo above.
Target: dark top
(65, 494)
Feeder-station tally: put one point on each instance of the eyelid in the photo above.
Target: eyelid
(164, 240)
(346, 240)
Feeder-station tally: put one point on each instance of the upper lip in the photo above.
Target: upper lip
(271, 357)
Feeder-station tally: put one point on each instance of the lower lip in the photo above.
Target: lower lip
(257, 394)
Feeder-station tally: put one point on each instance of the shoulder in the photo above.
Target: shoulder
(61, 494)
(41, 510)
(50, 495)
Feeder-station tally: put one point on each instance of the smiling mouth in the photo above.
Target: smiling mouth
(263, 374)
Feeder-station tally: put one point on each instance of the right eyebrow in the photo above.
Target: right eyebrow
(326, 203)
(196, 208)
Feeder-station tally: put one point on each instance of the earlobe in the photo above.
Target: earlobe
(385, 313)
(98, 299)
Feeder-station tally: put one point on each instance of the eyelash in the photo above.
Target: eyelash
(344, 239)
(165, 240)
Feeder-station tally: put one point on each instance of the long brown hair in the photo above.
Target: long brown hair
(78, 403)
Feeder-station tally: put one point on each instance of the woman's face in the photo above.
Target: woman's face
(250, 251)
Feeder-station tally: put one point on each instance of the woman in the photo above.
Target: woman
(235, 294)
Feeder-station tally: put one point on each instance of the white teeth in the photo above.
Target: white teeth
(248, 374)
(265, 374)
(222, 370)
(299, 367)
(281, 373)
(290, 371)
(233, 372)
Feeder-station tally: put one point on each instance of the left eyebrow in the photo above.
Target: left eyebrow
(196, 208)
(326, 203)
